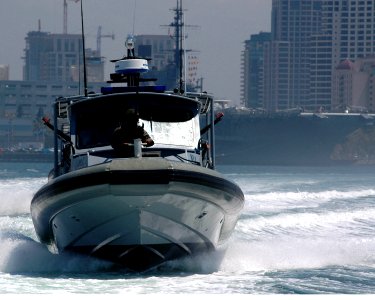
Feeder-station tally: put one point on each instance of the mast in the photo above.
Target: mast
(84, 53)
(178, 36)
(179, 39)
(178, 55)
(177, 25)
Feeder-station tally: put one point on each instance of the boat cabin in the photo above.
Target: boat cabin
(172, 121)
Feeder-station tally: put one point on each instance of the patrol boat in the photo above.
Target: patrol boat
(162, 203)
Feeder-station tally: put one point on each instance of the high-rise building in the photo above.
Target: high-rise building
(58, 57)
(53, 68)
(276, 85)
(320, 73)
(348, 33)
(293, 22)
(309, 40)
(252, 87)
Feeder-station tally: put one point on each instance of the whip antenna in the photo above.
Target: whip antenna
(84, 52)
(134, 12)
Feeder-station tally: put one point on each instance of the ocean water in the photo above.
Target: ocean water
(304, 230)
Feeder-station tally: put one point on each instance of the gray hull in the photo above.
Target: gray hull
(137, 213)
(295, 139)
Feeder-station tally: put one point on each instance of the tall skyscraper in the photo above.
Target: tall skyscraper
(293, 24)
(252, 70)
(348, 32)
(309, 39)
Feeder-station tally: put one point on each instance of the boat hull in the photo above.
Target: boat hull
(137, 213)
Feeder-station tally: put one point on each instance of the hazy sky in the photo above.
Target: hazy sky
(224, 25)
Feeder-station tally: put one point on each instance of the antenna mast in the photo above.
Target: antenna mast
(179, 40)
(84, 52)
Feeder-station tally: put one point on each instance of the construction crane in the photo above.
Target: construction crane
(65, 26)
(99, 39)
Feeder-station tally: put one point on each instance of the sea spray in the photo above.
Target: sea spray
(20, 254)
(303, 230)
(283, 253)
(16, 195)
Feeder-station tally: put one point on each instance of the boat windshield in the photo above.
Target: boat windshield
(185, 134)
(91, 133)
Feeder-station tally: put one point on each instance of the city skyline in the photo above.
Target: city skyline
(298, 65)
(219, 40)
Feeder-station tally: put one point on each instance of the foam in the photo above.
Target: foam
(16, 195)
(286, 200)
(20, 254)
(283, 253)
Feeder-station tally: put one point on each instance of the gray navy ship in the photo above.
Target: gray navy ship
(254, 138)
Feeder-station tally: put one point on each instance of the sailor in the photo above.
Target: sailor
(124, 136)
